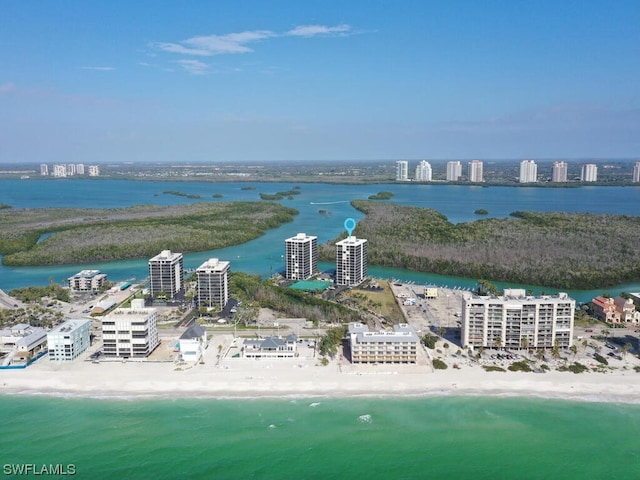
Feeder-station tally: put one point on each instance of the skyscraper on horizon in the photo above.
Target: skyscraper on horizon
(589, 173)
(301, 256)
(402, 171)
(559, 172)
(423, 172)
(351, 261)
(454, 171)
(528, 171)
(636, 173)
(475, 171)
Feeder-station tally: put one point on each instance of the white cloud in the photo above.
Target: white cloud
(319, 30)
(7, 87)
(101, 69)
(208, 45)
(194, 67)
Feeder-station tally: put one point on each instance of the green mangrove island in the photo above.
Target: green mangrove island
(98, 235)
(561, 250)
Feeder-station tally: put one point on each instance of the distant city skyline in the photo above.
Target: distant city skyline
(96, 83)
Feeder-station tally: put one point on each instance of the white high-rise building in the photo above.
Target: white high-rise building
(301, 256)
(94, 171)
(130, 332)
(423, 172)
(71, 169)
(213, 283)
(589, 173)
(517, 320)
(454, 171)
(80, 168)
(59, 170)
(402, 170)
(166, 274)
(475, 171)
(351, 261)
(528, 171)
(559, 172)
(636, 173)
(67, 341)
(44, 169)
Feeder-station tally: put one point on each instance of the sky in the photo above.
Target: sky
(228, 81)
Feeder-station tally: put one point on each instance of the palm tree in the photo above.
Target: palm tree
(498, 342)
(524, 343)
(574, 350)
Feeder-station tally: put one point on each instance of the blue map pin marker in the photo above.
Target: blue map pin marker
(349, 225)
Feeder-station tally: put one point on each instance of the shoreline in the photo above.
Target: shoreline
(295, 379)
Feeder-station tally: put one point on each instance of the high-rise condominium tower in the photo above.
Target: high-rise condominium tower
(402, 170)
(166, 274)
(301, 256)
(475, 171)
(213, 283)
(559, 172)
(528, 171)
(423, 172)
(454, 171)
(351, 261)
(636, 172)
(589, 173)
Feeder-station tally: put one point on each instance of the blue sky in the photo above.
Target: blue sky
(224, 81)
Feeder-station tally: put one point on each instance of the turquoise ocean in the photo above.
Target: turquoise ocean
(315, 438)
(327, 438)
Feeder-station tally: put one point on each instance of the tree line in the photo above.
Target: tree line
(562, 250)
(82, 235)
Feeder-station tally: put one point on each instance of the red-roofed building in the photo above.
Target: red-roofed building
(605, 309)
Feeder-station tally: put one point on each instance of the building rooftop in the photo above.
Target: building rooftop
(70, 326)
(213, 265)
(194, 331)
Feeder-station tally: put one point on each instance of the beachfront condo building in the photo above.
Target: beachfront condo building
(636, 173)
(80, 168)
(351, 261)
(475, 171)
(94, 171)
(87, 281)
(301, 256)
(44, 169)
(166, 274)
(589, 173)
(213, 283)
(402, 170)
(559, 172)
(397, 346)
(516, 320)
(454, 171)
(68, 340)
(130, 332)
(528, 171)
(423, 172)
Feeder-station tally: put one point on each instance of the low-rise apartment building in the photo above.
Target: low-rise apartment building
(87, 281)
(68, 340)
(397, 346)
(604, 309)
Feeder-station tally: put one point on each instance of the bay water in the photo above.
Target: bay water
(323, 209)
(321, 438)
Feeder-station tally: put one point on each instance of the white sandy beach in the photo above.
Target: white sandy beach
(245, 378)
